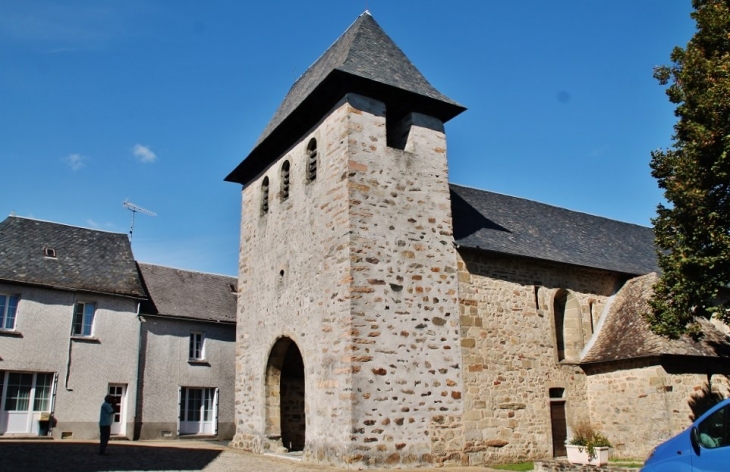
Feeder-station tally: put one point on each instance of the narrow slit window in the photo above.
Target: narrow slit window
(285, 180)
(312, 160)
(265, 196)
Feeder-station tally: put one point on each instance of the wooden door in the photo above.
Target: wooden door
(559, 427)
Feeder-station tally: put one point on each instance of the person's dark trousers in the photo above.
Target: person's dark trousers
(105, 431)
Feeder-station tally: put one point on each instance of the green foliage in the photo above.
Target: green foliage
(585, 436)
(693, 233)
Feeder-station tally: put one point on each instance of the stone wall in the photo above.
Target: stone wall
(640, 403)
(564, 466)
(294, 283)
(510, 355)
(405, 331)
(358, 269)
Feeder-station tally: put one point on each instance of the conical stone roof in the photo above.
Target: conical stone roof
(363, 60)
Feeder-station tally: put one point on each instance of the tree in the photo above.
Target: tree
(693, 232)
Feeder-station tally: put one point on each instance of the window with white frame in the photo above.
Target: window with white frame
(197, 342)
(8, 310)
(84, 319)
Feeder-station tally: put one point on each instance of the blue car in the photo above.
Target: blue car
(703, 447)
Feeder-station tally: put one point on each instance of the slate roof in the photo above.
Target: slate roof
(494, 222)
(187, 294)
(363, 60)
(624, 334)
(86, 259)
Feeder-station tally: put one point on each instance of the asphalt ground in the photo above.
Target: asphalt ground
(159, 456)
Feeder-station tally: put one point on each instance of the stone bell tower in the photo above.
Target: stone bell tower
(348, 345)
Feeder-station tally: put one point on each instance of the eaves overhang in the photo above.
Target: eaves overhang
(71, 289)
(319, 102)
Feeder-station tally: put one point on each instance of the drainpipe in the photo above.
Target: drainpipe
(138, 396)
(70, 344)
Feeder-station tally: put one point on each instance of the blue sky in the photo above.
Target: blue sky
(155, 102)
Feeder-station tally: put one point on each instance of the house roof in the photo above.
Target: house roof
(85, 259)
(494, 222)
(625, 334)
(188, 294)
(363, 60)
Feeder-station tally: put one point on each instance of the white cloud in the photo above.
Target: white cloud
(75, 161)
(144, 153)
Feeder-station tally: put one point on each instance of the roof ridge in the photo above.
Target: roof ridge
(149, 264)
(38, 220)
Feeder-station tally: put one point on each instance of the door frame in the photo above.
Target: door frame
(119, 428)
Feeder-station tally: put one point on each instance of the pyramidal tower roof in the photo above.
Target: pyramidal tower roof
(363, 60)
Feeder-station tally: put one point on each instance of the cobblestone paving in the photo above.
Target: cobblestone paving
(158, 456)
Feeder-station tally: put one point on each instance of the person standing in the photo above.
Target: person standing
(106, 418)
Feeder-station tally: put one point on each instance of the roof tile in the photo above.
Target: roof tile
(86, 259)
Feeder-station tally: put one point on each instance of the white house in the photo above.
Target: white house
(68, 305)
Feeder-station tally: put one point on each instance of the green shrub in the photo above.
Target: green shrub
(585, 436)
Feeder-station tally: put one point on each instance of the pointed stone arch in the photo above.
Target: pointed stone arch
(285, 396)
(568, 325)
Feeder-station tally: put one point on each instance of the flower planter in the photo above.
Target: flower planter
(579, 455)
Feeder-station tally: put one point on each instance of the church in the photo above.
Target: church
(388, 318)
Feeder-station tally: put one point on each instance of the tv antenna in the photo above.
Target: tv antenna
(134, 209)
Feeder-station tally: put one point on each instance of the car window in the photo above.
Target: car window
(713, 431)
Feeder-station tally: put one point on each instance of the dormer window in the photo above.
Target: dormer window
(285, 180)
(312, 160)
(265, 196)
(49, 252)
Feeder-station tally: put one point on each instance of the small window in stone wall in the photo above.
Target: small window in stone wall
(265, 196)
(591, 318)
(285, 180)
(557, 392)
(397, 128)
(312, 160)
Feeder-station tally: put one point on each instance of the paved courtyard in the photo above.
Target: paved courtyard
(158, 456)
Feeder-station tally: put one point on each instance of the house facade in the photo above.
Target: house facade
(387, 317)
(69, 300)
(187, 346)
(81, 319)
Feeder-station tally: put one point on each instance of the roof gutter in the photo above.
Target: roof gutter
(71, 289)
(186, 318)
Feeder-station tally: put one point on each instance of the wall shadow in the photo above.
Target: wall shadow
(467, 220)
(704, 399)
(84, 457)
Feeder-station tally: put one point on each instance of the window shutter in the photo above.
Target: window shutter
(215, 413)
(179, 401)
(54, 388)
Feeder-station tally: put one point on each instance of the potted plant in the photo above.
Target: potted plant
(588, 446)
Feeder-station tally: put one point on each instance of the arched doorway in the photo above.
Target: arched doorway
(285, 417)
